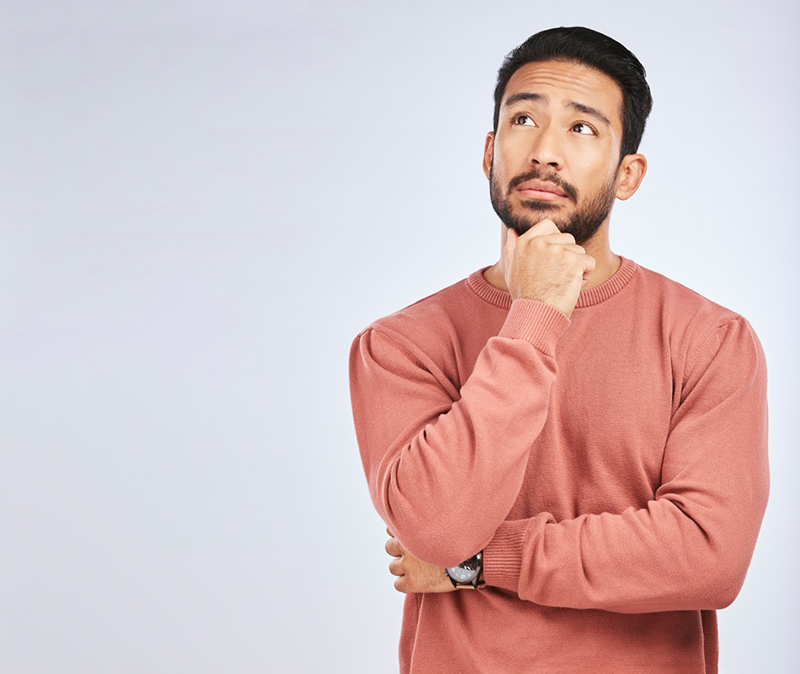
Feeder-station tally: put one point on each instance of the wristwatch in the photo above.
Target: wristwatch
(467, 573)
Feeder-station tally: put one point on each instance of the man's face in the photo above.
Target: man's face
(555, 153)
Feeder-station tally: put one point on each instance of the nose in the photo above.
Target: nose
(546, 149)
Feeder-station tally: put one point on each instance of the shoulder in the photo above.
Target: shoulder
(439, 317)
(682, 306)
(681, 300)
(695, 326)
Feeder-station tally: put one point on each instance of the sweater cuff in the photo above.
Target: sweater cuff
(537, 322)
(502, 558)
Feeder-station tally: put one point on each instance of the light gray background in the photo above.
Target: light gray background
(203, 202)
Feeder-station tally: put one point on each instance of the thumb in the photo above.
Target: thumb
(511, 241)
(588, 263)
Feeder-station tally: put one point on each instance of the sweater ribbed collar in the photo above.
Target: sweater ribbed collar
(587, 298)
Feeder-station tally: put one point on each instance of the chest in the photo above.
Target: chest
(602, 445)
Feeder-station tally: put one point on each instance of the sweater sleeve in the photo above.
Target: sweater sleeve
(444, 466)
(690, 547)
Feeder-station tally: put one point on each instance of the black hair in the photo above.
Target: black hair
(598, 51)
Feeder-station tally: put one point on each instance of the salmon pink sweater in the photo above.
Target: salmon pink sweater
(611, 466)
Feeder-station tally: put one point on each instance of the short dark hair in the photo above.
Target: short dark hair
(598, 51)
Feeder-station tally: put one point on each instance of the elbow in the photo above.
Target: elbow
(431, 531)
(437, 526)
(724, 590)
(434, 538)
(721, 582)
(714, 562)
(719, 600)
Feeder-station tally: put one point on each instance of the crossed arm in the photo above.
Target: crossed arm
(687, 549)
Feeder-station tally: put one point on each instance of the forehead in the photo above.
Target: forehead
(561, 82)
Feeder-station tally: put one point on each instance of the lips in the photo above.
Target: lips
(539, 185)
(542, 188)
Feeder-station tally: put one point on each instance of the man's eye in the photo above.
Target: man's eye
(580, 127)
(524, 120)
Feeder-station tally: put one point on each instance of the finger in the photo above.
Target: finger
(511, 239)
(562, 239)
(541, 228)
(509, 248)
(389, 531)
(397, 567)
(393, 547)
(588, 268)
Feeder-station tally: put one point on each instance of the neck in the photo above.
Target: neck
(598, 247)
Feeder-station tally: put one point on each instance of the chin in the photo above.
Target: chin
(535, 216)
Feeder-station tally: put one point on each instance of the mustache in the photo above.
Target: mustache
(535, 174)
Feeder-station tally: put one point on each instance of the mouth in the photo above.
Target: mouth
(542, 190)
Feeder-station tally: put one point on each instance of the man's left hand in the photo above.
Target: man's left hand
(414, 575)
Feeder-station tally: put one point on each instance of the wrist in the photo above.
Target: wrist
(468, 574)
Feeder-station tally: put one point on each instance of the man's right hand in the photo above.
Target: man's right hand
(547, 265)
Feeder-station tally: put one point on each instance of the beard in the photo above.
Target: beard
(582, 223)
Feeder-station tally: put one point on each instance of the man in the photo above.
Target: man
(588, 435)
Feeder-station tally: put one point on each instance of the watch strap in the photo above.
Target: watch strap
(472, 562)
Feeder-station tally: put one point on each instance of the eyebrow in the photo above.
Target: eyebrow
(574, 105)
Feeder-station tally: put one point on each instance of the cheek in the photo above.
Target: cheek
(593, 172)
(505, 166)
(497, 172)
(510, 145)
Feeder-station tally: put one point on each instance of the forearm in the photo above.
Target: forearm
(444, 470)
(653, 559)
(689, 546)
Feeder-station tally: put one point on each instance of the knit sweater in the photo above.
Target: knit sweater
(612, 467)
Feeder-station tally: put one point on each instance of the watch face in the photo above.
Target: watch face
(466, 571)
(462, 575)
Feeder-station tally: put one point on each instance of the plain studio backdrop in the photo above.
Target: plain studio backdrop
(204, 201)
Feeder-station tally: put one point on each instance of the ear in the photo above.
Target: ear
(630, 175)
(488, 153)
